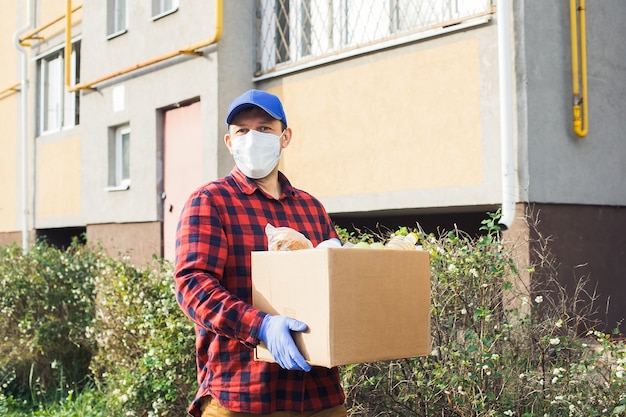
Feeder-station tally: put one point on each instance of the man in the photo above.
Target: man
(220, 225)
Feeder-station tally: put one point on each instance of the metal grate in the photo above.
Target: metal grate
(295, 31)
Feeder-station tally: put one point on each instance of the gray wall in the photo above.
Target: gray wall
(562, 167)
(214, 78)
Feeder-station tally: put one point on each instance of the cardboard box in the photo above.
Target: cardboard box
(361, 305)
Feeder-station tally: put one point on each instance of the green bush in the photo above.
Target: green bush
(146, 346)
(88, 334)
(495, 351)
(46, 303)
(84, 330)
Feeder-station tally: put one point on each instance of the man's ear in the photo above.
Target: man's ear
(286, 138)
(227, 141)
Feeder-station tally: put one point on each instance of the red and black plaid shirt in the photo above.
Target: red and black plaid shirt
(220, 225)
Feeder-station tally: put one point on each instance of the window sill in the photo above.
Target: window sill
(165, 13)
(116, 34)
(122, 187)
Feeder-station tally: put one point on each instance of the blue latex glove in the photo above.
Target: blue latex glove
(275, 333)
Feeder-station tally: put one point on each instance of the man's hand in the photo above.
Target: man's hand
(275, 333)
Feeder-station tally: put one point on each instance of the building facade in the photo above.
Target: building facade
(404, 111)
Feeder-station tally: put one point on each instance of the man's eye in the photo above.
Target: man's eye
(264, 128)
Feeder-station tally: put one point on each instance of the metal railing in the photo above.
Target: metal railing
(293, 31)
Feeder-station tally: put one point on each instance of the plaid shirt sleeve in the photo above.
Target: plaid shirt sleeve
(201, 254)
(219, 227)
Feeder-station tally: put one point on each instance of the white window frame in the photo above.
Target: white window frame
(119, 158)
(117, 18)
(161, 8)
(58, 109)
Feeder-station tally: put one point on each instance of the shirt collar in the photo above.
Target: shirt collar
(248, 186)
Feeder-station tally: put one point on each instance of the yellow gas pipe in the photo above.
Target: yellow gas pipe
(579, 79)
(187, 50)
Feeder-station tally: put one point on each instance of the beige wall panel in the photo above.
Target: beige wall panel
(8, 25)
(9, 103)
(59, 179)
(390, 122)
(8, 165)
(51, 10)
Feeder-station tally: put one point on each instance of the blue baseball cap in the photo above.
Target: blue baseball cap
(256, 98)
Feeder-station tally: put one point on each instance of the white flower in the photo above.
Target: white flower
(463, 311)
(509, 413)
(555, 341)
(452, 267)
(474, 273)
(559, 323)
(539, 299)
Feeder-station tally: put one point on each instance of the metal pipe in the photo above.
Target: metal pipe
(580, 107)
(31, 34)
(68, 44)
(506, 113)
(10, 90)
(23, 122)
(187, 50)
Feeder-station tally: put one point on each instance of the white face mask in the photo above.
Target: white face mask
(256, 154)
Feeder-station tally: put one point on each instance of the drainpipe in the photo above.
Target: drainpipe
(506, 112)
(23, 121)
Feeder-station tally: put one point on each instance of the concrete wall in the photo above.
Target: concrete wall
(564, 168)
(410, 127)
(137, 241)
(586, 244)
(136, 99)
(237, 62)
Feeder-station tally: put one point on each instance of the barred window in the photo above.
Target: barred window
(295, 31)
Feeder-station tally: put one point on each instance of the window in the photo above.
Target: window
(58, 108)
(161, 8)
(119, 158)
(116, 17)
(292, 31)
